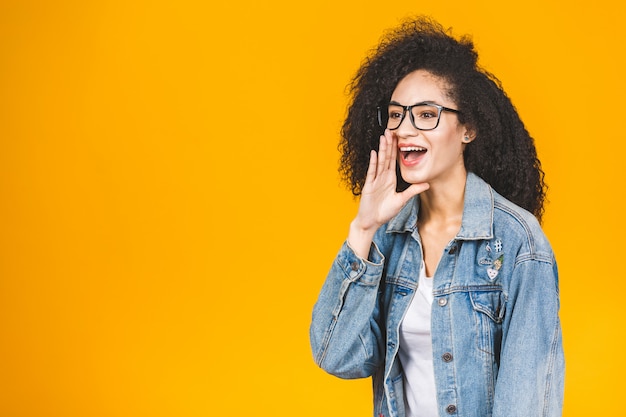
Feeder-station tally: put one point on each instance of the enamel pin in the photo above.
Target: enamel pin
(497, 264)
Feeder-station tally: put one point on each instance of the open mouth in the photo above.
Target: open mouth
(412, 153)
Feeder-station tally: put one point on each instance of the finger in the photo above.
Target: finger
(382, 155)
(394, 150)
(414, 189)
(371, 169)
(388, 148)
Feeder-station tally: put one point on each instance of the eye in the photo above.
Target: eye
(395, 112)
(426, 112)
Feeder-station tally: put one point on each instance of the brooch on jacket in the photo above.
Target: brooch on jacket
(492, 271)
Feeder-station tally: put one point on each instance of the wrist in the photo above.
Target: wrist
(363, 228)
(360, 238)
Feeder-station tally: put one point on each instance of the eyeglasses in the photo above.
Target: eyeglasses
(424, 116)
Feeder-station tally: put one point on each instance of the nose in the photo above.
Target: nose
(406, 127)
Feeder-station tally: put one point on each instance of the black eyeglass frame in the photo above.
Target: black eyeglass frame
(409, 109)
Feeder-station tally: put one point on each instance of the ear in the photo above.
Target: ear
(469, 136)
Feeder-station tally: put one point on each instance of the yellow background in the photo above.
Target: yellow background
(170, 202)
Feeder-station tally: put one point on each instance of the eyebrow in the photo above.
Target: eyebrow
(428, 102)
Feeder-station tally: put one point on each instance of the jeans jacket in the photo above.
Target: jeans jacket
(496, 334)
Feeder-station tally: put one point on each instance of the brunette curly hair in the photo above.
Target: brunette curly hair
(503, 153)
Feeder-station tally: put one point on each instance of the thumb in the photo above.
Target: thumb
(415, 189)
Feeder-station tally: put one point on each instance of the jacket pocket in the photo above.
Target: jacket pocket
(489, 308)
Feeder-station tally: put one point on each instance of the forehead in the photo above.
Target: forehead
(421, 85)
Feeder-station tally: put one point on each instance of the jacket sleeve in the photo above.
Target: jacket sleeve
(531, 376)
(345, 332)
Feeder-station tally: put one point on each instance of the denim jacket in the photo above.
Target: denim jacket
(496, 334)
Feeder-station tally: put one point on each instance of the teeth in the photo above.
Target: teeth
(411, 149)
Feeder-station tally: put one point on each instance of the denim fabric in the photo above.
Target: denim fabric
(496, 333)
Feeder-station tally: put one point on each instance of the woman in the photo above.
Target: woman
(446, 290)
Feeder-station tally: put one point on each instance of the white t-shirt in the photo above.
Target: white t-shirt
(416, 352)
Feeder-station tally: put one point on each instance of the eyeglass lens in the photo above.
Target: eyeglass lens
(424, 116)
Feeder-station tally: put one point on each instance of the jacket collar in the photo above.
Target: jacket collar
(477, 222)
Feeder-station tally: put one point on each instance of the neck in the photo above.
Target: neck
(442, 204)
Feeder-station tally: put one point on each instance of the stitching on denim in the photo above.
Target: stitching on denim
(552, 360)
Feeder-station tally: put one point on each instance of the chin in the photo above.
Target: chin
(413, 178)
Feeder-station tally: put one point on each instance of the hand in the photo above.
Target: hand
(379, 199)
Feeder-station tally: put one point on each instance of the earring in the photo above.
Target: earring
(466, 139)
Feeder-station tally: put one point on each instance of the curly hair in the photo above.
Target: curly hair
(503, 153)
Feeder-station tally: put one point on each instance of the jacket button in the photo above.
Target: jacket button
(447, 357)
(451, 409)
(354, 266)
(452, 250)
(442, 302)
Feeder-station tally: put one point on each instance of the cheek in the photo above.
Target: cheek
(451, 147)
(450, 139)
